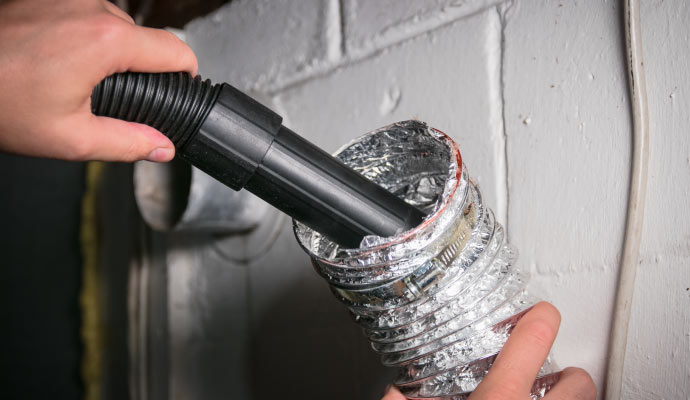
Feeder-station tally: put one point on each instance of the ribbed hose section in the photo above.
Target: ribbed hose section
(439, 301)
(175, 103)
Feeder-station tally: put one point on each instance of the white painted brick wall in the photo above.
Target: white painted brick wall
(372, 25)
(535, 93)
(569, 149)
(658, 355)
(260, 43)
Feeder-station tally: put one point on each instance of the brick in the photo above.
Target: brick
(255, 44)
(446, 77)
(373, 25)
(568, 132)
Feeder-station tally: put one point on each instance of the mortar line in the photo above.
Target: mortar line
(341, 11)
(363, 55)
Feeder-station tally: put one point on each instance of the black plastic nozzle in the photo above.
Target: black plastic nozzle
(243, 144)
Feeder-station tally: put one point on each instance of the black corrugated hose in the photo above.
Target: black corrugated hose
(243, 144)
(174, 103)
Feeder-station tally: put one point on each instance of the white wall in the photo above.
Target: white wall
(535, 92)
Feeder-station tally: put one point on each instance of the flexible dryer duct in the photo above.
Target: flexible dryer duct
(438, 301)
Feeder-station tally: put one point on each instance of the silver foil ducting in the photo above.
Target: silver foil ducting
(439, 301)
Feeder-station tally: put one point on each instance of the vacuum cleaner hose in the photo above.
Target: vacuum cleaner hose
(243, 144)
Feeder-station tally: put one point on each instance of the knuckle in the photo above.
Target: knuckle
(540, 331)
(582, 381)
(108, 27)
(134, 151)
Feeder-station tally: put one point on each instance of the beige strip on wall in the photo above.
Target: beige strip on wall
(90, 300)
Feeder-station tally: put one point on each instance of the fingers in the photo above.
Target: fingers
(392, 393)
(115, 10)
(154, 50)
(519, 361)
(109, 139)
(575, 383)
(129, 48)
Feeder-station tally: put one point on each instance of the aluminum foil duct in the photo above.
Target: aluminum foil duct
(439, 301)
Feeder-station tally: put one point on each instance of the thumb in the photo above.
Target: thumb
(392, 393)
(117, 140)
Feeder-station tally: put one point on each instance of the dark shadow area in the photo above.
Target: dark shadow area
(40, 279)
(119, 239)
(171, 13)
(308, 347)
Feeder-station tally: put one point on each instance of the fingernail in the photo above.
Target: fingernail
(161, 154)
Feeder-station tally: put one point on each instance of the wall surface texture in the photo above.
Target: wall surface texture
(535, 93)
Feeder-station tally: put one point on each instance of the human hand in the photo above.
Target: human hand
(52, 54)
(516, 367)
